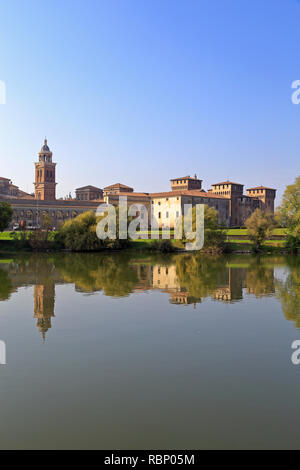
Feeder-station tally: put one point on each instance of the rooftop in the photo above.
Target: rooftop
(195, 193)
(118, 185)
(227, 182)
(186, 178)
(92, 188)
(261, 187)
(130, 194)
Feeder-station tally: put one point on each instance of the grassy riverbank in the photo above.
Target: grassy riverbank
(9, 246)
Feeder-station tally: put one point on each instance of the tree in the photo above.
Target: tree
(6, 213)
(260, 226)
(214, 235)
(79, 234)
(290, 213)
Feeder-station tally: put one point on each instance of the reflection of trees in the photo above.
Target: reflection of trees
(260, 279)
(6, 287)
(289, 292)
(201, 275)
(110, 273)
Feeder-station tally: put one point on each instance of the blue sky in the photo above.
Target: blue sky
(141, 91)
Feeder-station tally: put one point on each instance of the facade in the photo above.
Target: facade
(169, 206)
(266, 196)
(137, 202)
(31, 212)
(242, 206)
(89, 193)
(186, 183)
(7, 189)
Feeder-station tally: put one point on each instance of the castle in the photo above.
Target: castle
(228, 198)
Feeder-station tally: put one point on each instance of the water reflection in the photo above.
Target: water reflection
(187, 279)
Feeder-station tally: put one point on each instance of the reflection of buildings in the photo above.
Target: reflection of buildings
(44, 301)
(183, 298)
(231, 282)
(223, 294)
(165, 278)
(186, 279)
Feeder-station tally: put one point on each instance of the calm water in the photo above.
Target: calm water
(179, 352)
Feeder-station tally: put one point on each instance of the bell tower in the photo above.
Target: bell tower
(45, 184)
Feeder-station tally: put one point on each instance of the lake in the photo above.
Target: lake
(137, 351)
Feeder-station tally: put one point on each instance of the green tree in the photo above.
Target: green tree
(260, 226)
(288, 291)
(214, 235)
(290, 213)
(6, 213)
(80, 234)
(6, 287)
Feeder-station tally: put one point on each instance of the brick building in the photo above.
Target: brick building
(228, 198)
(45, 180)
(89, 193)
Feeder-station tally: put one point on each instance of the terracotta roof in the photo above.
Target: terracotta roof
(88, 187)
(185, 178)
(261, 187)
(123, 193)
(194, 193)
(227, 182)
(117, 185)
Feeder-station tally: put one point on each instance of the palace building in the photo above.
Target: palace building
(228, 198)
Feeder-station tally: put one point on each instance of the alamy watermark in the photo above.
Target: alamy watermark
(296, 94)
(2, 92)
(296, 354)
(189, 224)
(2, 353)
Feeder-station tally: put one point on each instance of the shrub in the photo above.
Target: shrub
(260, 226)
(163, 246)
(6, 213)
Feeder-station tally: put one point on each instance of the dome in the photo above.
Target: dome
(45, 147)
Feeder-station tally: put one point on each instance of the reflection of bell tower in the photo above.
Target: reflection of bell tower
(45, 185)
(44, 300)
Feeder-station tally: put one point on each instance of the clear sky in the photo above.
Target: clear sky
(141, 91)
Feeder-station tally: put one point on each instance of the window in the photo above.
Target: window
(159, 203)
(167, 215)
(177, 214)
(159, 215)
